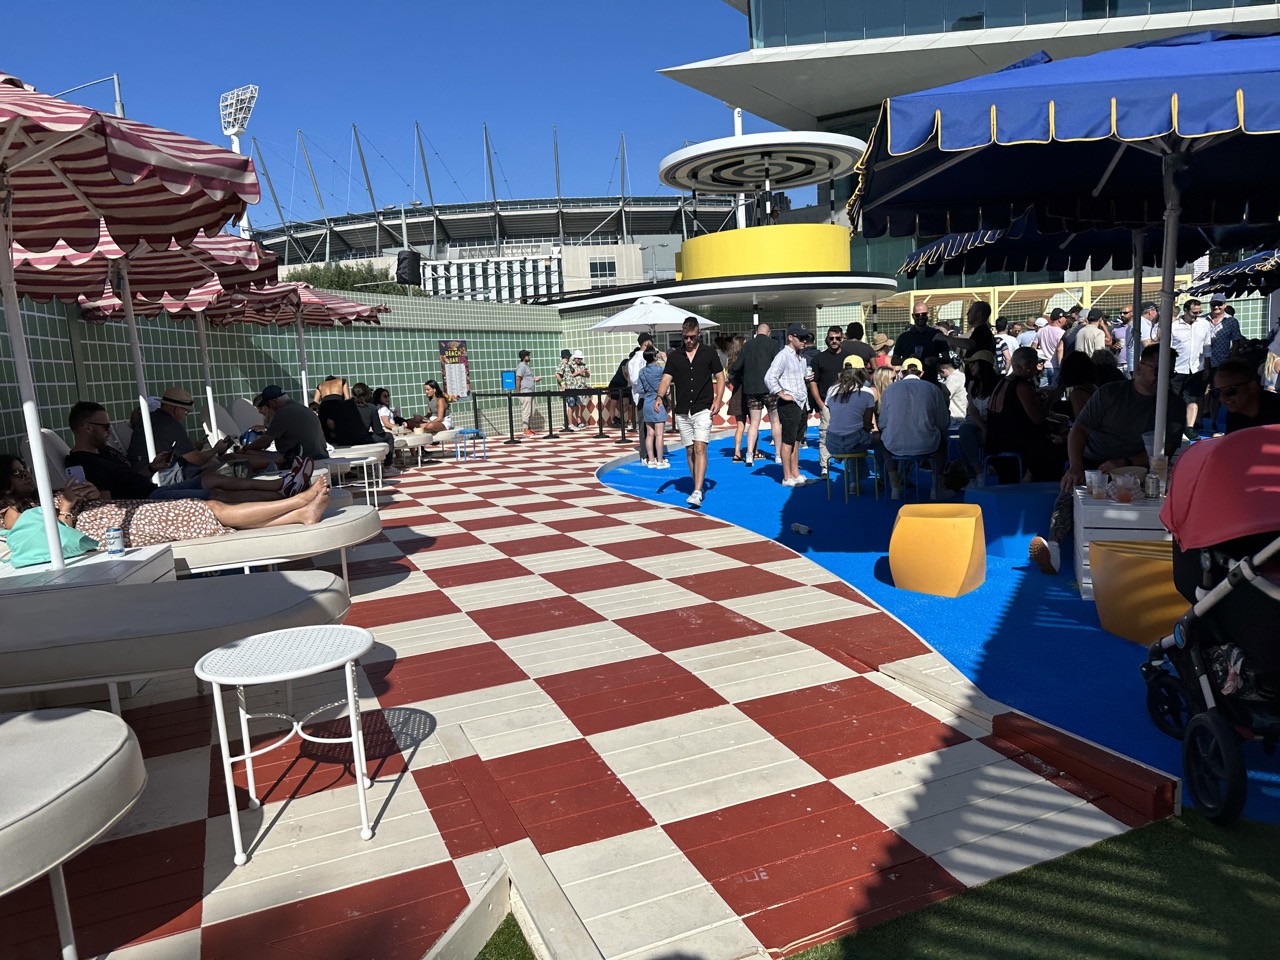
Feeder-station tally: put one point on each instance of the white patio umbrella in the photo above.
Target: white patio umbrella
(65, 170)
(651, 314)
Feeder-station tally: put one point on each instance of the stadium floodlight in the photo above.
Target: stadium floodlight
(235, 107)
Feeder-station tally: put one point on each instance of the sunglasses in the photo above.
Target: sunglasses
(834, 339)
(1229, 391)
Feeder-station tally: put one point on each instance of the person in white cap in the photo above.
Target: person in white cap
(579, 378)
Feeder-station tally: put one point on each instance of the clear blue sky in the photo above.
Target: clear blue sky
(589, 67)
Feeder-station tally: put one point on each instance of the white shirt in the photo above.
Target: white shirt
(789, 373)
(634, 366)
(959, 404)
(1191, 341)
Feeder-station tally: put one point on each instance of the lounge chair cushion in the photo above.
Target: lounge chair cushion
(70, 775)
(341, 527)
(146, 629)
(361, 451)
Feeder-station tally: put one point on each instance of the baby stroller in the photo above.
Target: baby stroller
(1215, 681)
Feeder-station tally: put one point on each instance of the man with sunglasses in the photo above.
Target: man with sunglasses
(1237, 387)
(826, 368)
(919, 340)
(694, 381)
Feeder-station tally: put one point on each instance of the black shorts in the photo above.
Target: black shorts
(792, 417)
(1188, 386)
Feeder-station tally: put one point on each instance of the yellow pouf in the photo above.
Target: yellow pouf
(1133, 588)
(938, 548)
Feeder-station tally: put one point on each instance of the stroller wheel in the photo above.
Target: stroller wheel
(1167, 704)
(1214, 767)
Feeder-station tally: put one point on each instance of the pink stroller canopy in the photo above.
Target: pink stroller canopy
(1225, 488)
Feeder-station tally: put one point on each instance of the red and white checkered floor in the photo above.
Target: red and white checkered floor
(707, 738)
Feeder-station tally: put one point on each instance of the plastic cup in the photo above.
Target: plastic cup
(1095, 482)
(1149, 441)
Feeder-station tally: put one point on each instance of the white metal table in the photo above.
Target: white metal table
(285, 656)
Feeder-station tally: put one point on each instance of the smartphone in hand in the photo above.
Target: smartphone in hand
(75, 475)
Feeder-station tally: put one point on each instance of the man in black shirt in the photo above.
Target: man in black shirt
(694, 382)
(853, 344)
(1236, 385)
(980, 335)
(753, 362)
(919, 340)
(108, 469)
(826, 371)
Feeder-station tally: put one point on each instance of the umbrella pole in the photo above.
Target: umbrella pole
(27, 391)
(126, 297)
(1172, 221)
(1133, 349)
(302, 356)
(202, 339)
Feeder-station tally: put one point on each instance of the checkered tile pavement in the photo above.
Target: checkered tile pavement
(690, 724)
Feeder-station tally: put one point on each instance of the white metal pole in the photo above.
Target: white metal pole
(202, 339)
(742, 197)
(302, 357)
(139, 375)
(27, 391)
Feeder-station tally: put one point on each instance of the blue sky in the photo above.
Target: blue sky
(589, 67)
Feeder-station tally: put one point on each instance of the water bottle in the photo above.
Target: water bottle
(801, 529)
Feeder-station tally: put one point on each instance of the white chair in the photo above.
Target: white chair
(80, 772)
(245, 415)
(121, 435)
(55, 453)
(224, 425)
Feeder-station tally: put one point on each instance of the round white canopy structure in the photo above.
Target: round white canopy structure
(785, 160)
(773, 291)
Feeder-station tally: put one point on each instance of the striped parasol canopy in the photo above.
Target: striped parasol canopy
(65, 172)
(278, 304)
(69, 168)
(209, 264)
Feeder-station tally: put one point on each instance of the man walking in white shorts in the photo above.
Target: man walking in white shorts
(694, 383)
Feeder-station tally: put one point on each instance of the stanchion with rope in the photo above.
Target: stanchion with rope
(511, 421)
(622, 409)
(551, 424)
(600, 411)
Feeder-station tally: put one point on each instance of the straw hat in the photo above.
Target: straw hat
(986, 355)
(879, 341)
(177, 397)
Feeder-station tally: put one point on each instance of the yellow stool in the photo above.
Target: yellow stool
(938, 548)
(851, 473)
(1133, 588)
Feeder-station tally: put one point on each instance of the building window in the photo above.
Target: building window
(603, 271)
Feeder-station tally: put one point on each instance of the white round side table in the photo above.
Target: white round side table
(286, 655)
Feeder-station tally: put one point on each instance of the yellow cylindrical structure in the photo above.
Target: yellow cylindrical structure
(757, 251)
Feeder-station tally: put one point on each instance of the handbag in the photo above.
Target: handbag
(29, 546)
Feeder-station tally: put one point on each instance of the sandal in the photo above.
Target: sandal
(737, 458)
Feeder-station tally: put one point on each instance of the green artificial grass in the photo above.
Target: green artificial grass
(507, 943)
(1180, 889)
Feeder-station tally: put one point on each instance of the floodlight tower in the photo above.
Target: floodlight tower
(235, 107)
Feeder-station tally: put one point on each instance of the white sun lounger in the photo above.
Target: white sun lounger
(340, 528)
(115, 633)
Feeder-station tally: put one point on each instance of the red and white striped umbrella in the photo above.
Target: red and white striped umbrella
(69, 167)
(65, 171)
(210, 264)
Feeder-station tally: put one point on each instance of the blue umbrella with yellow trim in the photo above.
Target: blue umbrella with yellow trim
(1179, 131)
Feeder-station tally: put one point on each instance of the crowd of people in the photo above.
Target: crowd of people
(193, 489)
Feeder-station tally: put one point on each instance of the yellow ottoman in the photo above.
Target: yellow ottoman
(1133, 588)
(938, 548)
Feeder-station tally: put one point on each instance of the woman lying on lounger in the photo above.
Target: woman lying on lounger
(147, 522)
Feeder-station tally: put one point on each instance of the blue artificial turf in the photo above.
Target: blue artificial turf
(1025, 639)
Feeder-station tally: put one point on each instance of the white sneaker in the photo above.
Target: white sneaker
(651, 464)
(694, 499)
(663, 465)
(823, 474)
(1045, 554)
(791, 482)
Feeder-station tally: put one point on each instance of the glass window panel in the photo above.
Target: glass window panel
(1173, 6)
(1125, 8)
(1006, 13)
(769, 22)
(806, 20)
(846, 19)
(966, 14)
(1046, 11)
(924, 16)
(885, 19)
